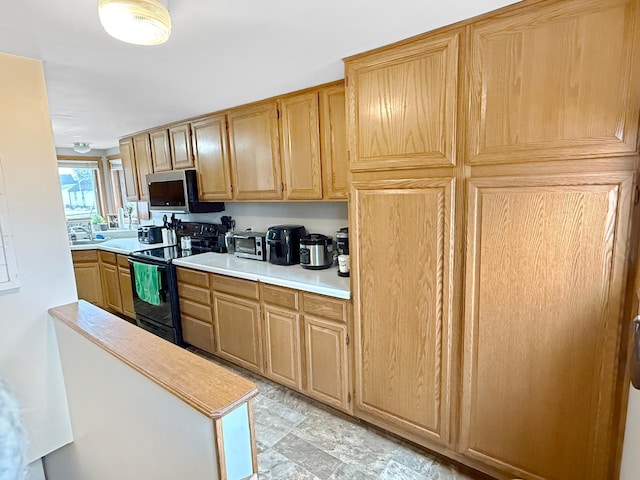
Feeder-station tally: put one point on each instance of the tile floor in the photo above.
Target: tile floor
(300, 439)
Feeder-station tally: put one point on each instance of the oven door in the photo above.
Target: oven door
(163, 319)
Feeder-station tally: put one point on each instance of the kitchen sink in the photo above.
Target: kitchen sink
(88, 241)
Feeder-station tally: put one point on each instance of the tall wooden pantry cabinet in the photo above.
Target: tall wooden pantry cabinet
(493, 184)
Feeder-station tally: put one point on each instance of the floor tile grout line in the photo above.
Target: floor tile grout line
(271, 387)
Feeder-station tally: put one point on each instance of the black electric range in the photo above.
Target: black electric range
(161, 315)
(205, 237)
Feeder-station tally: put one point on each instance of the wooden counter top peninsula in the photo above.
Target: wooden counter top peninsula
(215, 405)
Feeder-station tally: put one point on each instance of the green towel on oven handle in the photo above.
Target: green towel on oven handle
(147, 282)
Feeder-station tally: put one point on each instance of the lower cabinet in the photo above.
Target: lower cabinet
(116, 284)
(236, 320)
(305, 341)
(126, 289)
(87, 272)
(195, 309)
(326, 333)
(237, 330)
(110, 281)
(103, 278)
(282, 346)
(327, 362)
(295, 338)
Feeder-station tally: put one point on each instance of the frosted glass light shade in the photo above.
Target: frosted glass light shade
(81, 147)
(141, 22)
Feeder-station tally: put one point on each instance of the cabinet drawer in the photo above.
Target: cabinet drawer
(197, 294)
(284, 297)
(326, 307)
(123, 262)
(196, 310)
(235, 286)
(108, 257)
(194, 277)
(197, 333)
(84, 256)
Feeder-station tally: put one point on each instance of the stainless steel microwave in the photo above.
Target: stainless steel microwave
(250, 245)
(177, 192)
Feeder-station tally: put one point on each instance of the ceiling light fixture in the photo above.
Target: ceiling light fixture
(81, 147)
(141, 22)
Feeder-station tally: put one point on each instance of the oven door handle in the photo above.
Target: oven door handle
(162, 289)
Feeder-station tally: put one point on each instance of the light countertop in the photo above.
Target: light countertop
(324, 282)
(123, 246)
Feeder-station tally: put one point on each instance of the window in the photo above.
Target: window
(117, 184)
(119, 195)
(81, 189)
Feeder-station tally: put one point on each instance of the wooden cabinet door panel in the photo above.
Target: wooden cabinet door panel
(211, 152)
(88, 282)
(402, 105)
(181, 146)
(326, 307)
(142, 150)
(237, 330)
(254, 146)
(557, 82)
(403, 323)
(281, 296)
(129, 169)
(160, 152)
(327, 362)
(196, 310)
(237, 287)
(192, 277)
(126, 291)
(333, 137)
(545, 281)
(111, 285)
(197, 333)
(300, 147)
(282, 346)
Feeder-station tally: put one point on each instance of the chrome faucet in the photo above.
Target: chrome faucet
(74, 228)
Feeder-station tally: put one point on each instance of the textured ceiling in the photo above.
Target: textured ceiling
(221, 53)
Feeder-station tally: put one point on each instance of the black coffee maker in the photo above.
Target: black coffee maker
(283, 244)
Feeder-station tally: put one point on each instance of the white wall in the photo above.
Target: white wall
(630, 469)
(29, 359)
(317, 217)
(126, 426)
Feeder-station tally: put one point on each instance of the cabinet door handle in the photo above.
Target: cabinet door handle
(635, 355)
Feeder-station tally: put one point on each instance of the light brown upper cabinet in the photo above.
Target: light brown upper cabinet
(129, 168)
(181, 155)
(557, 81)
(160, 151)
(211, 153)
(300, 146)
(545, 277)
(144, 166)
(403, 302)
(404, 101)
(254, 147)
(333, 142)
